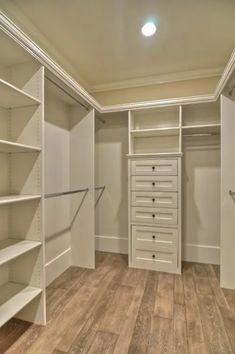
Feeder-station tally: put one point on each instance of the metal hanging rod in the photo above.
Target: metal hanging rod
(232, 194)
(231, 91)
(100, 119)
(101, 188)
(67, 93)
(53, 195)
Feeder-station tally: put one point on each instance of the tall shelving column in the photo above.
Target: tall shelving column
(155, 143)
(22, 280)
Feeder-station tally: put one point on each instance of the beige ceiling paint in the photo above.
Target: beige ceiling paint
(156, 92)
(100, 41)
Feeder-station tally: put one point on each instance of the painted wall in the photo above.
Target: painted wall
(111, 212)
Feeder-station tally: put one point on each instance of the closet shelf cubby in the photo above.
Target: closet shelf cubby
(138, 133)
(12, 97)
(11, 147)
(202, 129)
(12, 248)
(13, 298)
(8, 199)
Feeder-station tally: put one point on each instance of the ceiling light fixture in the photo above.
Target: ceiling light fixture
(148, 29)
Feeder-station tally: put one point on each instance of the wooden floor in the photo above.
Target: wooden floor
(118, 310)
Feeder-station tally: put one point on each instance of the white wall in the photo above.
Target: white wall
(57, 179)
(201, 204)
(111, 212)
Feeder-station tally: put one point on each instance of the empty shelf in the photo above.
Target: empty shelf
(8, 146)
(17, 198)
(12, 248)
(202, 129)
(12, 97)
(13, 298)
(141, 133)
(157, 154)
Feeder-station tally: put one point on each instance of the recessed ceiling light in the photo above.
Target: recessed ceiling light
(148, 29)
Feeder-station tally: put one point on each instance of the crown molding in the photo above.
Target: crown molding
(10, 28)
(157, 79)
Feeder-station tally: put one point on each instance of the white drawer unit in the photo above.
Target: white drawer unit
(154, 199)
(154, 183)
(153, 167)
(154, 238)
(154, 215)
(154, 260)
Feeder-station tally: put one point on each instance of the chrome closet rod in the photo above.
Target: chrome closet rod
(200, 134)
(67, 93)
(52, 195)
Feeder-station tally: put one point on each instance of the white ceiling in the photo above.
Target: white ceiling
(100, 40)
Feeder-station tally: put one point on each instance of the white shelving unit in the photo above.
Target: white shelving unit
(22, 280)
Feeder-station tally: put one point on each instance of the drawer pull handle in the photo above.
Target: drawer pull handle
(153, 184)
(153, 200)
(154, 237)
(153, 215)
(153, 256)
(153, 168)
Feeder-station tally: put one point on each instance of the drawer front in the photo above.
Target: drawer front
(154, 183)
(154, 215)
(154, 238)
(154, 257)
(154, 167)
(154, 199)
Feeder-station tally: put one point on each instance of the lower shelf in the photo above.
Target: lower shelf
(13, 298)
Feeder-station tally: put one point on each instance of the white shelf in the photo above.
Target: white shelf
(12, 97)
(159, 154)
(202, 129)
(12, 248)
(141, 133)
(11, 147)
(13, 298)
(8, 199)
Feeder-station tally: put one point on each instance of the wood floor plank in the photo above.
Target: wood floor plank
(128, 326)
(178, 289)
(165, 296)
(196, 340)
(213, 326)
(201, 279)
(104, 343)
(140, 339)
(10, 332)
(132, 277)
(180, 330)
(161, 336)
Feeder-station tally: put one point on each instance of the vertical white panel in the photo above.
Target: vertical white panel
(227, 202)
(82, 176)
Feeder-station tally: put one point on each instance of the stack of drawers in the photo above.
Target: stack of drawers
(154, 200)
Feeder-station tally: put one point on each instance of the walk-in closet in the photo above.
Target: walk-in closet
(117, 177)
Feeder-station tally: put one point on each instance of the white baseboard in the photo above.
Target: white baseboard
(111, 244)
(57, 266)
(201, 253)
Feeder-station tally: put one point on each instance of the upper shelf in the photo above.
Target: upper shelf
(11, 147)
(12, 97)
(141, 133)
(202, 129)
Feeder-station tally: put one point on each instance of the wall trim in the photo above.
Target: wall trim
(111, 244)
(201, 253)
(9, 27)
(57, 265)
(157, 79)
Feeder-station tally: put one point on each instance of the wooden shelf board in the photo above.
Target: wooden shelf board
(12, 248)
(13, 298)
(8, 199)
(201, 129)
(159, 154)
(141, 133)
(12, 97)
(11, 147)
